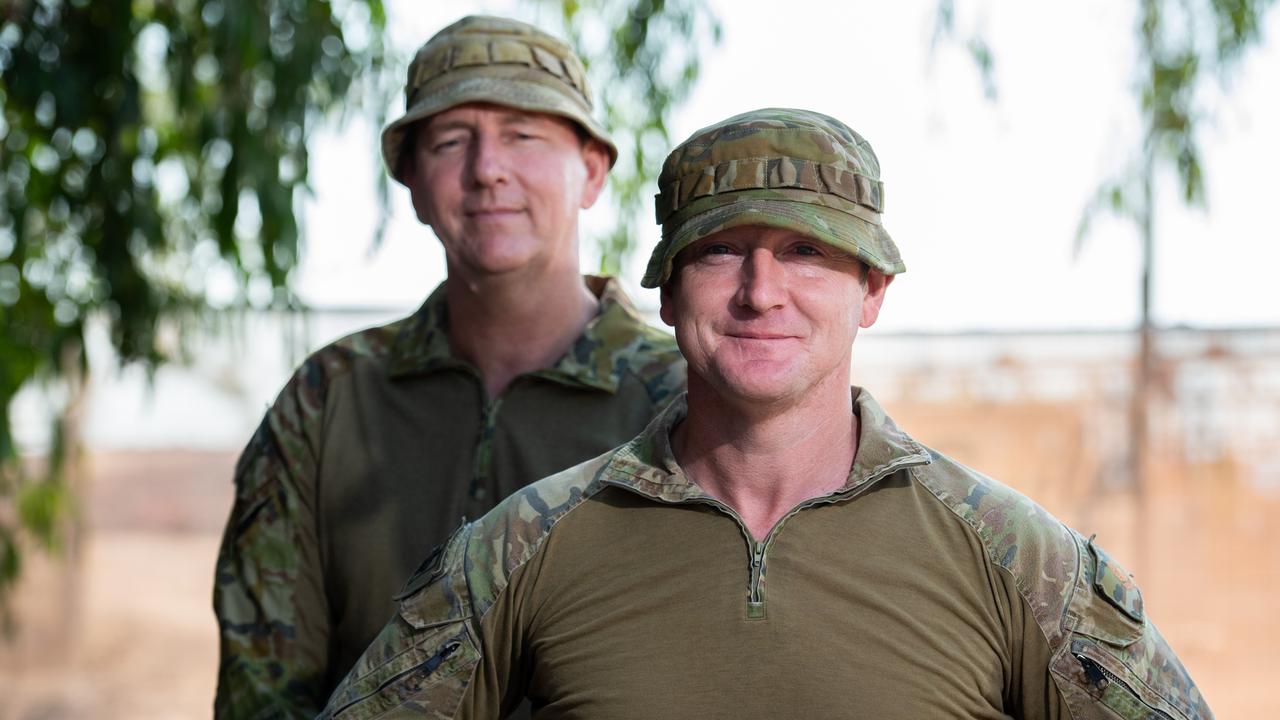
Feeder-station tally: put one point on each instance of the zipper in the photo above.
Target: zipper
(755, 592)
(1100, 678)
(758, 551)
(755, 550)
(482, 458)
(831, 497)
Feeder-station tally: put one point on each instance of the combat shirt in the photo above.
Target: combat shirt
(920, 589)
(375, 448)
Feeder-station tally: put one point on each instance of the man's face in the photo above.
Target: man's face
(764, 315)
(502, 188)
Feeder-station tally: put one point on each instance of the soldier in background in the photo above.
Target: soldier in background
(773, 546)
(514, 368)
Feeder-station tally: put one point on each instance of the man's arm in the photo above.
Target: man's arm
(424, 662)
(1109, 660)
(268, 596)
(457, 642)
(1115, 661)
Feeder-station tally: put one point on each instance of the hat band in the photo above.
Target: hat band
(778, 173)
(473, 54)
(746, 197)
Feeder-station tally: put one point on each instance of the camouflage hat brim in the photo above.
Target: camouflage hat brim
(864, 238)
(509, 86)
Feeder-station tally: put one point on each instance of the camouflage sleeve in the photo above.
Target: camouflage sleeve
(268, 590)
(1112, 661)
(423, 662)
(1081, 643)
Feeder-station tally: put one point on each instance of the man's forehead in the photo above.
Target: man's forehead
(469, 114)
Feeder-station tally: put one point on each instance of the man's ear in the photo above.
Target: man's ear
(873, 297)
(666, 307)
(409, 174)
(596, 159)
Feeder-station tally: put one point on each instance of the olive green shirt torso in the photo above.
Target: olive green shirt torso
(870, 608)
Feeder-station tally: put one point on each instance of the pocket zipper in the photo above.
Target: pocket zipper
(1099, 677)
(431, 664)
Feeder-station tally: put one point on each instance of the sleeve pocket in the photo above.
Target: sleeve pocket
(428, 679)
(1114, 655)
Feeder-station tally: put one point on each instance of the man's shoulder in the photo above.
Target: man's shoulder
(372, 343)
(647, 341)
(1013, 528)
(312, 379)
(1038, 550)
(651, 356)
(1083, 601)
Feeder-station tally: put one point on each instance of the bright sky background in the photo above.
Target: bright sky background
(982, 198)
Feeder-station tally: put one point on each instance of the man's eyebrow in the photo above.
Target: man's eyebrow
(446, 125)
(523, 118)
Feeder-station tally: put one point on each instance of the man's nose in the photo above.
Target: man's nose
(488, 161)
(763, 284)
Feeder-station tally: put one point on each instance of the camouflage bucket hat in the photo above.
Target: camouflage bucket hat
(493, 60)
(791, 169)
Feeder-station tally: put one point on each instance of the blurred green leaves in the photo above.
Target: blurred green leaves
(1182, 46)
(150, 155)
(945, 30)
(643, 57)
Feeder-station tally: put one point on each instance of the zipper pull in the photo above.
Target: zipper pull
(1093, 672)
(755, 599)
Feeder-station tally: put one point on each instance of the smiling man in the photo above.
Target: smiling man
(514, 368)
(775, 547)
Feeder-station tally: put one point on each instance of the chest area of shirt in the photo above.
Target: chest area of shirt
(402, 462)
(438, 438)
(835, 618)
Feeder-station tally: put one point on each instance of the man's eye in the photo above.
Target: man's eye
(807, 250)
(447, 144)
(717, 249)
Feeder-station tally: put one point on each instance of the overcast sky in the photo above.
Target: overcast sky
(982, 198)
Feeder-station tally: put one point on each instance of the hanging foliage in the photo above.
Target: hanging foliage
(150, 155)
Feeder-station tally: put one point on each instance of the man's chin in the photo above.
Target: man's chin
(759, 388)
(501, 256)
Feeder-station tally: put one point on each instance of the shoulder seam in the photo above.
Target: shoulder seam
(589, 490)
(989, 555)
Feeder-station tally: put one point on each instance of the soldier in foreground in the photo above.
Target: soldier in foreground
(775, 546)
(513, 369)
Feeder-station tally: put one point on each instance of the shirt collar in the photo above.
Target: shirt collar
(647, 464)
(598, 358)
(422, 344)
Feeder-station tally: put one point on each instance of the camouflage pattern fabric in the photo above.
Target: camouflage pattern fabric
(777, 167)
(1115, 584)
(1072, 586)
(482, 59)
(1103, 662)
(281, 602)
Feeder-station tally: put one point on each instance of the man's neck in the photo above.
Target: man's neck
(509, 325)
(765, 462)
